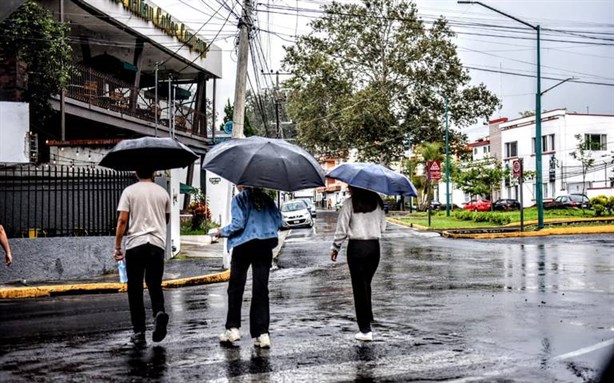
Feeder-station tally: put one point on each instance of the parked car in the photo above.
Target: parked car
(312, 207)
(569, 201)
(296, 214)
(477, 205)
(435, 205)
(506, 204)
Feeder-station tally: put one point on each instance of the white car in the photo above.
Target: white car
(296, 214)
(310, 205)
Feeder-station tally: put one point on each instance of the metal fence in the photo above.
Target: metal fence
(60, 201)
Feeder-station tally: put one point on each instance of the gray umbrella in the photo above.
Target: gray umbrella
(153, 153)
(265, 162)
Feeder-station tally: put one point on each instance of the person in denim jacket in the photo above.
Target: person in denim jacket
(252, 235)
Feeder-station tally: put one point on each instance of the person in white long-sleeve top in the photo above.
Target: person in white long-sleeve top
(361, 220)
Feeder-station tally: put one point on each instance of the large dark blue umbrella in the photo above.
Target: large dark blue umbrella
(265, 162)
(153, 153)
(374, 177)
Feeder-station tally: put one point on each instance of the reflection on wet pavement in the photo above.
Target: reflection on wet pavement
(445, 310)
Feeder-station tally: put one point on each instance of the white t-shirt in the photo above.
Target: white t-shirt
(147, 204)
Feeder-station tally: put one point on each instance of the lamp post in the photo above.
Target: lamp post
(538, 116)
(447, 165)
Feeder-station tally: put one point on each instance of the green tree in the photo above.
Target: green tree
(584, 155)
(36, 39)
(370, 74)
(481, 178)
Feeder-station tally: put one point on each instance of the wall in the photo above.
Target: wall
(14, 126)
(55, 259)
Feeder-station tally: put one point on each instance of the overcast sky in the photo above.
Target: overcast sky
(577, 40)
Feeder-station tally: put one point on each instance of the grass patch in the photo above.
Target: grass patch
(439, 220)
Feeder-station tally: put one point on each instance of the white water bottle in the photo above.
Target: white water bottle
(123, 275)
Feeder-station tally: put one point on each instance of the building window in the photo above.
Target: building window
(475, 151)
(547, 143)
(596, 141)
(511, 149)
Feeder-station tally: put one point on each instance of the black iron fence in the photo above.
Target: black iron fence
(60, 201)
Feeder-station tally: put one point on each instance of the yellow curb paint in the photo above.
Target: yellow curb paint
(200, 280)
(85, 288)
(540, 233)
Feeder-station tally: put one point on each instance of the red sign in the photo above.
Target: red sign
(516, 168)
(434, 170)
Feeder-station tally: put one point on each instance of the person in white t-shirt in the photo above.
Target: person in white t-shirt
(143, 213)
(361, 220)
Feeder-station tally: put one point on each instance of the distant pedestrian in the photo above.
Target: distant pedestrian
(252, 235)
(4, 242)
(144, 210)
(361, 220)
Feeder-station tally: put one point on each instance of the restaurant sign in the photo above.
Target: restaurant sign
(165, 22)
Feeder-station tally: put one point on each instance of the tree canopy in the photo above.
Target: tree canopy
(371, 74)
(34, 37)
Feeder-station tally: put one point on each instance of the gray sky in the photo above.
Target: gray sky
(582, 46)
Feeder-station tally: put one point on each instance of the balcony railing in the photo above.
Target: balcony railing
(104, 91)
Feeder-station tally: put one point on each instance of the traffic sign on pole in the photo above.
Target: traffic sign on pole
(434, 170)
(516, 169)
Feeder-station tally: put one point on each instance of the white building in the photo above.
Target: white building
(509, 141)
(561, 173)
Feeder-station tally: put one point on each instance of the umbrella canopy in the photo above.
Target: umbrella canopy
(265, 162)
(374, 177)
(149, 153)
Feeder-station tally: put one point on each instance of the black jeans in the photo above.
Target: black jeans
(363, 259)
(258, 254)
(144, 261)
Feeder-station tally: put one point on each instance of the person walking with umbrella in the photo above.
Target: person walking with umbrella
(146, 206)
(252, 234)
(361, 220)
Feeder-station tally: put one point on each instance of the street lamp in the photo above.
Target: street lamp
(538, 116)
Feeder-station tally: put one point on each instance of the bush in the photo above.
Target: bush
(201, 215)
(603, 205)
(496, 218)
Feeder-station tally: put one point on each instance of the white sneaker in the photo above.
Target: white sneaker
(230, 335)
(263, 341)
(365, 337)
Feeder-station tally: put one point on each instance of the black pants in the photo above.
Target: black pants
(259, 255)
(144, 261)
(363, 259)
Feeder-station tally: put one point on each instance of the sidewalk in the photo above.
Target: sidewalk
(199, 262)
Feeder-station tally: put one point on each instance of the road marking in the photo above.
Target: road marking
(585, 350)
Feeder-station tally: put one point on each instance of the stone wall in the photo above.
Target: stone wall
(58, 259)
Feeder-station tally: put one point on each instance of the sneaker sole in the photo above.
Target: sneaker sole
(160, 331)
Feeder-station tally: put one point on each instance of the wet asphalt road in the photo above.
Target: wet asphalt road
(513, 310)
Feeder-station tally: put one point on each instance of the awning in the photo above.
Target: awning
(186, 189)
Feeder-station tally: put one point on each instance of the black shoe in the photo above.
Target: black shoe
(138, 339)
(160, 327)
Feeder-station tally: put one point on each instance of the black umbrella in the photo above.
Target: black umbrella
(151, 153)
(265, 162)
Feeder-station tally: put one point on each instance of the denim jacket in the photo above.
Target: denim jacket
(248, 223)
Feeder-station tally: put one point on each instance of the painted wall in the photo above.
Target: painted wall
(14, 126)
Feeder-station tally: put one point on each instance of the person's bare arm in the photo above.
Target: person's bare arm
(4, 242)
(120, 230)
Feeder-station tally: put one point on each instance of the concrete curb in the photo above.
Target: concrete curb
(540, 233)
(116, 287)
(602, 229)
(103, 288)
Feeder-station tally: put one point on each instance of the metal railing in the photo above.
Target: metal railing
(99, 89)
(60, 201)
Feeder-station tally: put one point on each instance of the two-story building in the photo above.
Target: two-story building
(562, 132)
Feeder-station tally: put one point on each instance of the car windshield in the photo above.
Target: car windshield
(293, 206)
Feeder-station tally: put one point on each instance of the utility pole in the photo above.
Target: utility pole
(62, 91)
(238, 115)
(447, 164)
(278, 100)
